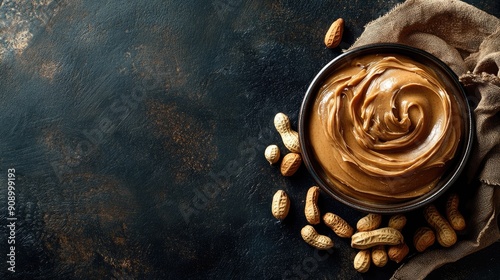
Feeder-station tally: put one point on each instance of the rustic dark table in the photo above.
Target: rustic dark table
(135, 132)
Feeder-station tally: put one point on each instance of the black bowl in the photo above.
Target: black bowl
(447, 76)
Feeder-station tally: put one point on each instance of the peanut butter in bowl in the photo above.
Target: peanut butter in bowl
(384, 128)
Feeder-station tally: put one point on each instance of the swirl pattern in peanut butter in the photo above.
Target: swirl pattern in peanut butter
(384, 128)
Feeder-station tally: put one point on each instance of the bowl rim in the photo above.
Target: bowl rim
(452, 174)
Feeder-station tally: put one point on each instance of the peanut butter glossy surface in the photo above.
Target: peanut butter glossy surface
(384, 128)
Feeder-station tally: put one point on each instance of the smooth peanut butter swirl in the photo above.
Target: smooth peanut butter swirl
(384, 128)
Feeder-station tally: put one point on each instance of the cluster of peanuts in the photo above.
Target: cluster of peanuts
(289, 165)
(291, 161)
(376, 244)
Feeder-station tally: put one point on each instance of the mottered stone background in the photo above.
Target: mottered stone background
(137, 131)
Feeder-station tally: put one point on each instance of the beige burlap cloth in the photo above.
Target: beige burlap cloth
(468, 40)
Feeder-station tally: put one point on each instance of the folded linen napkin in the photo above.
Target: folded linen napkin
(468, 40)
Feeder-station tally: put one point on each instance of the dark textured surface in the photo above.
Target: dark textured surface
(137, 131)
